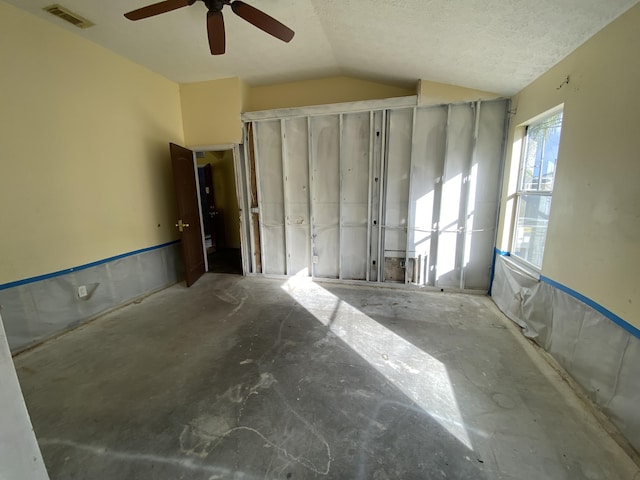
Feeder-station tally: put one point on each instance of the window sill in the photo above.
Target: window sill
(523, 267)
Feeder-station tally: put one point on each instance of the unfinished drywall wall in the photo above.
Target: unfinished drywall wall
(592, 243)
(211, 112)
(20, 455)
(400, 194)
(85, 171)
(320, 92)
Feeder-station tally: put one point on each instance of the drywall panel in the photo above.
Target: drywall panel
(211, 112)
(434, 93)
(268, 146)
(325, 173)
(355, 194)
(429, 145)
(296, 177)
(460, 132)
(320, 92)
(398, 161)
(483, 197)
(86, 172)
(20, 455)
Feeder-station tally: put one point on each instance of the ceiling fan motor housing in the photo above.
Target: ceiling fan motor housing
(215, 5)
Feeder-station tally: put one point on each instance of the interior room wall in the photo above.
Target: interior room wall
(435, 93)
(211, 112)
(85, 170)
(592, 243)
(320, 91)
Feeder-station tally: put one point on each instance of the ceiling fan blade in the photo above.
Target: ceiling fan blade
(262, 21)
(157, 9)
(215, 30)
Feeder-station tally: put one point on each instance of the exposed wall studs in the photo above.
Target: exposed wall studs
(354, 157)
(285, 202)
(410, 205)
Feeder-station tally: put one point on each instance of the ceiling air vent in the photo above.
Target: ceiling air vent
(68, 16)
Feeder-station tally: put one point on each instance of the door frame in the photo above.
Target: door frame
(240, 196)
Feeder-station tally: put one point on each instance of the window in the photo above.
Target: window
(535, 188)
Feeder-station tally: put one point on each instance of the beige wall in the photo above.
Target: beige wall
(85, 171)
(211, 112)
(593, 243)
(319, 92)
(434, 93)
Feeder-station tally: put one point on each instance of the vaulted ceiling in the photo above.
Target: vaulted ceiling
(493, 45)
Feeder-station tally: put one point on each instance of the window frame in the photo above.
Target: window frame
(521, 191)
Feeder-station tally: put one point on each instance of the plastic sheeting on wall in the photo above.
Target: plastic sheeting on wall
(38, 310)
(602, 357)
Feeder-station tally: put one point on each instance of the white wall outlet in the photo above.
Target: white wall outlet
(315, 259)
(82, 291)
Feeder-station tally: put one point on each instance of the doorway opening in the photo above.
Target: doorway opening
(219, 204)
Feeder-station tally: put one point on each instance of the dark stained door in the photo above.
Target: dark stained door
(188, 221)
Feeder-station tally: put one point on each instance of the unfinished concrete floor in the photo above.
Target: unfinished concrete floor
(254, 378)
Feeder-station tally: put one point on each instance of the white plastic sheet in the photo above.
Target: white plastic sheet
(601, 356)
(38, 310)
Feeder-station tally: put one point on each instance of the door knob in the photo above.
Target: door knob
(181, 226)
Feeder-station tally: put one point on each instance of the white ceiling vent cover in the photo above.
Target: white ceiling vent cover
(68, 16)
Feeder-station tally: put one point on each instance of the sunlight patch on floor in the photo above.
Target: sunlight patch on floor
(421, 377)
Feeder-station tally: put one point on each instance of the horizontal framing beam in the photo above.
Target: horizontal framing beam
(332, 109)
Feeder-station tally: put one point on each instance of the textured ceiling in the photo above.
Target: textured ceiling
(494, 45)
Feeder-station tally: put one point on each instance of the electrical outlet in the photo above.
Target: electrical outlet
(82, 291)
(315, 259)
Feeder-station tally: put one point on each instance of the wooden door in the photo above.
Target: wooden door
(188, 221)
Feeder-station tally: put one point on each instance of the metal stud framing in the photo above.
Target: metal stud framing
(340, 194)
(312, 234)
(247, 179)
(285, 203)
(384, 153)
(410, 203)
(465, 191)
(376, 162)
(371, 139)
(259, 192)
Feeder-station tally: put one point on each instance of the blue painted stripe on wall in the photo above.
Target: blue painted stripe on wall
(597, 307)
(83, 267)
(493, 267)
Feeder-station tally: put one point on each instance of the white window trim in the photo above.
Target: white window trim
(518, 261)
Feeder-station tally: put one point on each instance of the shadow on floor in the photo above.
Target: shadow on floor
(225, 260)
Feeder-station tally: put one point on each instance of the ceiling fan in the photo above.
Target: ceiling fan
(215, 21)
